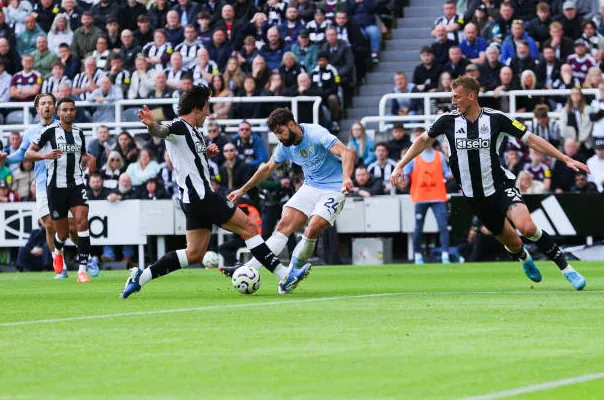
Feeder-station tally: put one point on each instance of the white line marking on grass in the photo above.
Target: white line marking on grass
(539, 387)
(273, 303)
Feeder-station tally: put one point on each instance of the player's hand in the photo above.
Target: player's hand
(235, 195)
(395, 178)
(346, 185)
(146, 116)
(212, 150)
(54, 154)
(577, 165)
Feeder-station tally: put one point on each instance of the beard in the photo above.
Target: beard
(290, 140)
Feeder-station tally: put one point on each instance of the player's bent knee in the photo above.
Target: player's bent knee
(527, 228)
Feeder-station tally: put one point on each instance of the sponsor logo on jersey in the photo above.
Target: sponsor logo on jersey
(472, 144)
(70, 148)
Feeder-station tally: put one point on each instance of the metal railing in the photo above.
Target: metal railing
(120, 105)
(512, 94)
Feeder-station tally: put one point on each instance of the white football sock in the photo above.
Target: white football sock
(303, 251)
(145, 277)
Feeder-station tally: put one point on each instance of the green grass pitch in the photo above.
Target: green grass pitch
(384, 332)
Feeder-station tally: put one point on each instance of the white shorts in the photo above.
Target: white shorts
(42, 204)
(327, 204)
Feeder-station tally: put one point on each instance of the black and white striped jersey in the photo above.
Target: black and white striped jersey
(51, 84)
(187, 149)
(210, 68)
(474, 148)
(102, 59)
(382, 172)
(456, 36)
(65, 172)
(175, 76)
(188, 51)
(81, 81)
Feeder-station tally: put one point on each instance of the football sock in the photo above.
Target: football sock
(545, 244)
(169, 262)
(262, 253)
(83, 249)
(522, 255)
(303, 251)
(58, 244)
(276, 243)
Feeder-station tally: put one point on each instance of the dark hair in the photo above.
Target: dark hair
(197, 97)
(426, 49)
(399, 125)
(160, 30)
(588, 22)
(383, 144)
(39, 96)
(279, 117)
(96, 174)
(57, 63)
(87, 14)
(217, 76)
(65, 100)
(64, 46)
(103, 37)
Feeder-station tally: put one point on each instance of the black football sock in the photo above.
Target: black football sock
(546, 245)
(59, 244)
(521, 256)
(262, 253)
(169, 262)
(83, 249)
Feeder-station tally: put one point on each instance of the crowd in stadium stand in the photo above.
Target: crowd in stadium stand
(103, 51)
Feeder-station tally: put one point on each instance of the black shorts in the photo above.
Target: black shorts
(213, 209)
(60, 200)
(492, 210)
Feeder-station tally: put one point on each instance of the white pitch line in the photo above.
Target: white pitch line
(539, 387)
(272, 303)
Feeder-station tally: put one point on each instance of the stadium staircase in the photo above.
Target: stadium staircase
(400, 53)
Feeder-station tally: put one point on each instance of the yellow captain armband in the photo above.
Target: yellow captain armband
(519, 125)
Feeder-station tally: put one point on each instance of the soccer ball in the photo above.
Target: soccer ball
(246, 279)
(210, 260)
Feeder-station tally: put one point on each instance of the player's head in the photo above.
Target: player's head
(282, 123)
(66, 110)
(45, 105)
(465, 93)
(195, 101)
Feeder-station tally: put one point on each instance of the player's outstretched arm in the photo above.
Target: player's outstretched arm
(420, 144)
(347, 155)
(543, 146)
(33, 154)
(155, 129)
(262, 174)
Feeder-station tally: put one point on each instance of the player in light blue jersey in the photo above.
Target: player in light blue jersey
(45, 107)
(327, 165)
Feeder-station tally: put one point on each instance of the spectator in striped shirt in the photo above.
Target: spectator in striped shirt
(188, 48)
(101, 53)
(158, 51)
(383, 166)
(51, 84)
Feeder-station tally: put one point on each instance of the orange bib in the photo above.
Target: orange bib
(427, 180)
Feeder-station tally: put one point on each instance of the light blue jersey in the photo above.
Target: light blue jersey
(40, 166)
(322, 169)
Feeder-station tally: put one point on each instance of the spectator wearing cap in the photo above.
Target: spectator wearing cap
(362, 12)
(571, 23)
(144, 33)
(325, 78)
(187, 11)
(451, 20)
(84, 38)
(538, 27)
(596, 164)
(305, 51)
(157, 13)
(129, 49)
(350, 33)
(316, 28)
(548, 69)
(581, 61)
(291, 27)
(400, 140)
(440, 48)
(129, 13)
(489, 71)
(103, 10)
(425, 75)
(275, 48)
(473, 46)
(405, 106)
(563, 46)
(508, 49)
(45, 11)
(113, 33)
(456, 64)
